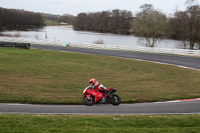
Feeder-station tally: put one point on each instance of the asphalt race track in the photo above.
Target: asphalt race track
(189, 106)
(184, 107)
(186, 61)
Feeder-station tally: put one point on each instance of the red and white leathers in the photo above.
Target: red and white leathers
(99, 87)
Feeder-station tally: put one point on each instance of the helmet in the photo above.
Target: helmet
(97, 84)
(92, 81)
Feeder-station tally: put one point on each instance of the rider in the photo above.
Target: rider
(97, 86)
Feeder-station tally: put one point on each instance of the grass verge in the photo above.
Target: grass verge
(52, 77)
(17, 123)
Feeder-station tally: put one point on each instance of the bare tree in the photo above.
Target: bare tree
(1, 18)
(185, 25)
(146, 8)
(150, 25)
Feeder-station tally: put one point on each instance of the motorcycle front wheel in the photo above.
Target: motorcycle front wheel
(88, 102)
(115, 100)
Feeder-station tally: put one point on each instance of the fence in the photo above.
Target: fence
(101, 46)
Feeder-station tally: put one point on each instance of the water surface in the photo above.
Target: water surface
(67, 34)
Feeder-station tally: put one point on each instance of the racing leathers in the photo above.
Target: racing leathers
(100, 87)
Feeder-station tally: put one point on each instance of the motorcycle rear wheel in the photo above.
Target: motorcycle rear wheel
(88, 102)
(115, 100)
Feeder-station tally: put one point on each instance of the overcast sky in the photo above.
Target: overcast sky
(75, 7)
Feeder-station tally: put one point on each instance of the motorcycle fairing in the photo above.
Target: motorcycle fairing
(97, 95)
(88, 96)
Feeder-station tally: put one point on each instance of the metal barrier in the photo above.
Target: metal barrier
(15, 45)
(140, 49)
(101, 46)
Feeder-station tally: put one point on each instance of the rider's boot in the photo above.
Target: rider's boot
(103, 99)
(108, 94)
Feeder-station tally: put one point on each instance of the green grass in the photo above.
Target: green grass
(17, 123)
(51, 22)
(42, 76)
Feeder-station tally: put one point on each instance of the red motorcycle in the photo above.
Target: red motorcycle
(91, 96)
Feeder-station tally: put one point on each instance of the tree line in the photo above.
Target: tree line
(14, 17)
(115, 21)
(149, 24)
